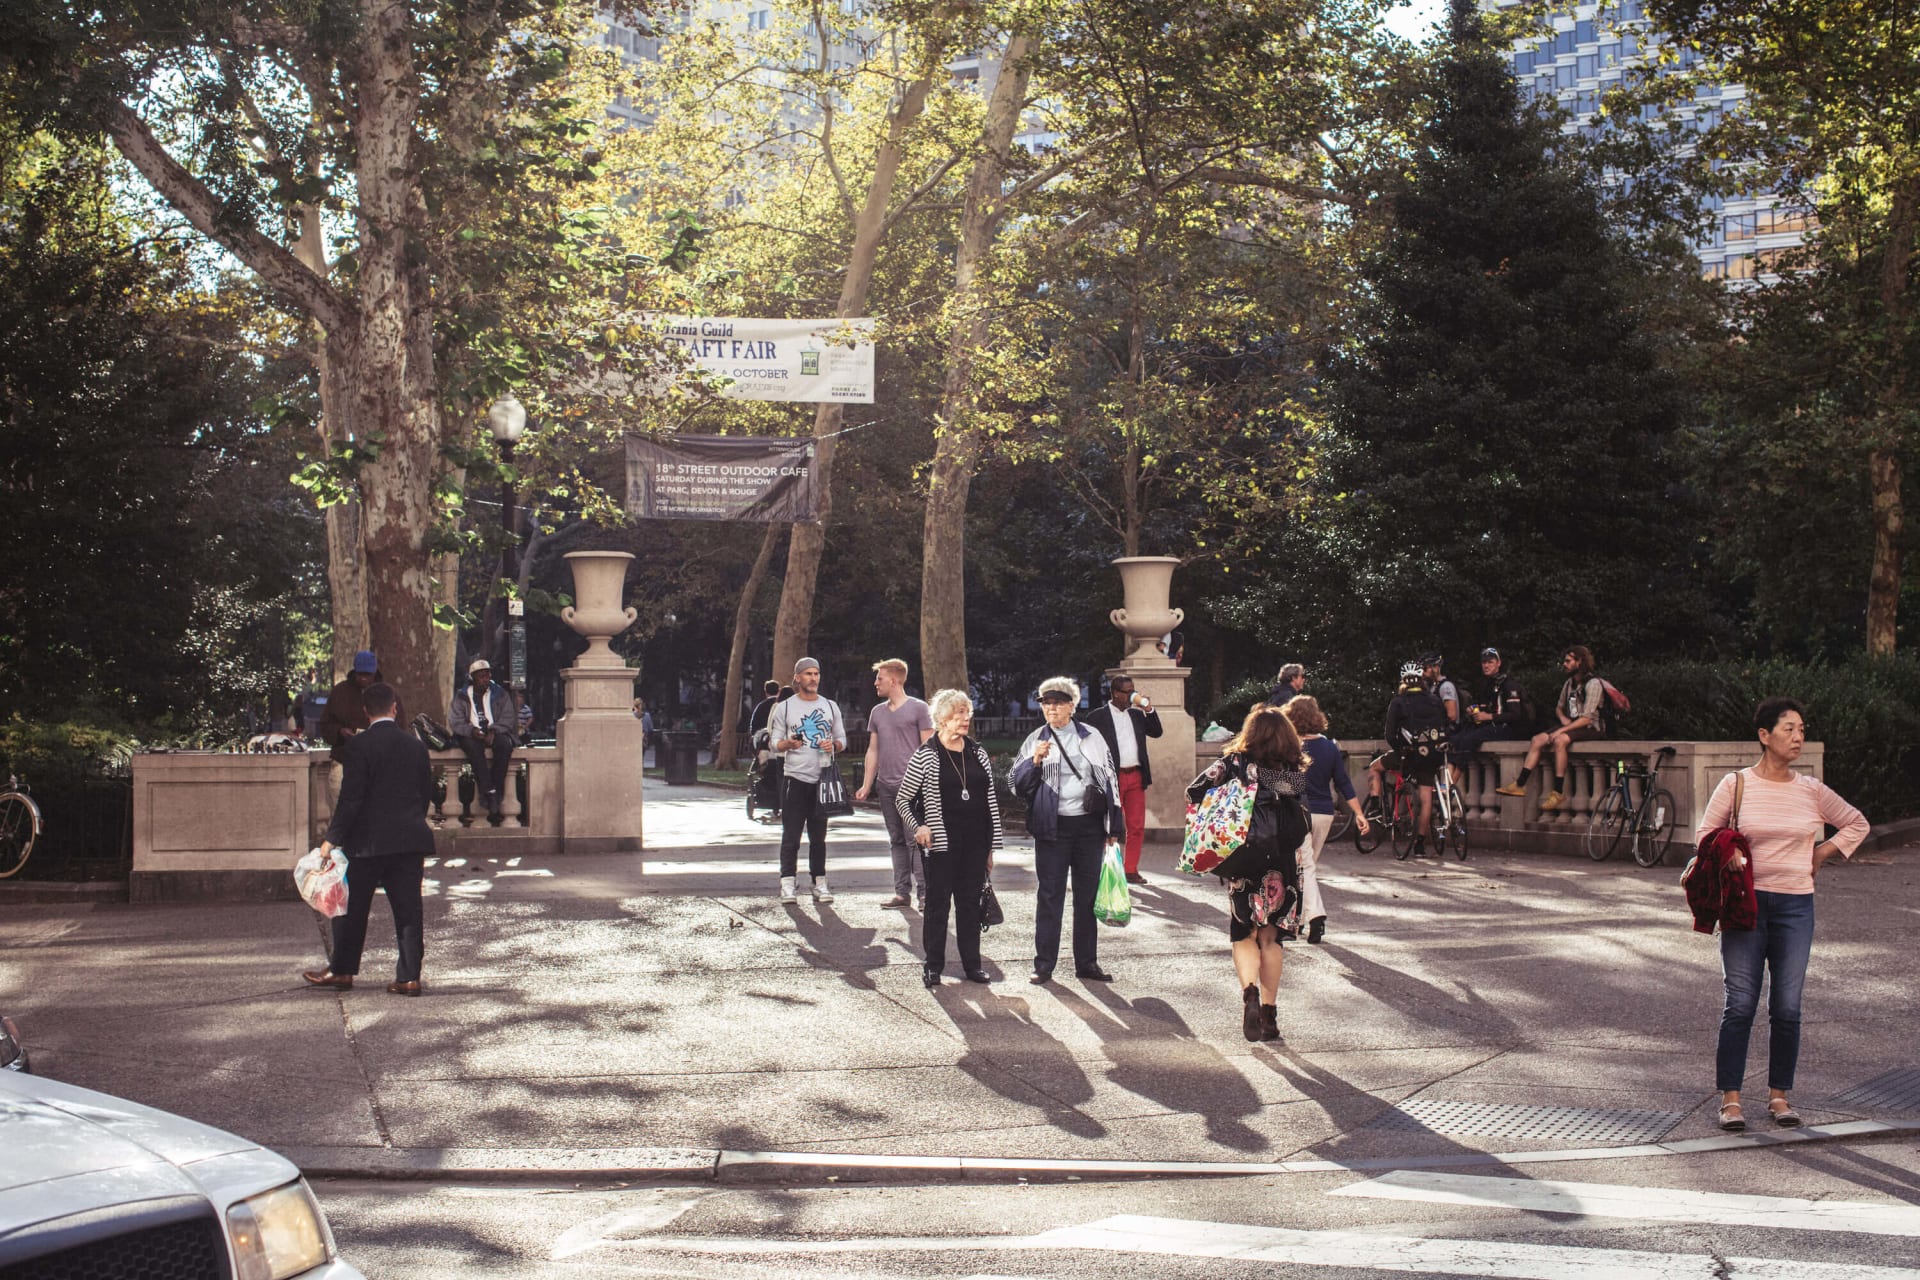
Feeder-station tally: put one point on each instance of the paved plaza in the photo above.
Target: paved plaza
(626, 1010)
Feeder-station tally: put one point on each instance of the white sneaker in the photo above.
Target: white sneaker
(820, 891)
(787, 893)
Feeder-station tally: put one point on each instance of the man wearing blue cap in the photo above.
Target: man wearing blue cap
(345, 716)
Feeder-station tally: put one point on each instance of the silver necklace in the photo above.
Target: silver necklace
(958, 771)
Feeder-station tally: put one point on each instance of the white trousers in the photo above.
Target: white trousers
(1312, 905)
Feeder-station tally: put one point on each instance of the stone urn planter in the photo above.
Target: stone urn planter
(599, 584)
(1147, 582)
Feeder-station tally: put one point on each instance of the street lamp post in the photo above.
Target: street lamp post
(508, 419)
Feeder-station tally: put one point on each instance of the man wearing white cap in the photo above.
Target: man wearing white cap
(807, 729)
(482, 719)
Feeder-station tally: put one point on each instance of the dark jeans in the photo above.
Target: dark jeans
(1080, 841)
(955, 876)
(1780, 943)
(909, 877)
(800, 807)
(399, 874)
(491, 780)
(1462, 746)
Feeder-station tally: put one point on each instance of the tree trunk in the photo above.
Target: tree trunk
(794, 623)
(1136, 385)
(737, 652)
(943, 569)
(1889, 527)
(1883, 464)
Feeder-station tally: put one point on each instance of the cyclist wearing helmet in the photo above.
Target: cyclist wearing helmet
(1499, 716)
(1441, 687)
(1416, 732)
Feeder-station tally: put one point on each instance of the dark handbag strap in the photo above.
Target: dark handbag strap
(1066, 759)
(1739, 790)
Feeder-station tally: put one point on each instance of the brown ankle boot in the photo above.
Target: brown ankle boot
(1250, 1012)
(1269, 1022)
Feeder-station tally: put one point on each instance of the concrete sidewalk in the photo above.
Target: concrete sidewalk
(667, 1000)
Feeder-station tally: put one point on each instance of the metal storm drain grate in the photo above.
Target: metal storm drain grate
(1897, 1090)
(1580, 1125)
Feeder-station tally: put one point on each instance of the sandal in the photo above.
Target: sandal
(1786, 1117)
(1734, 1123)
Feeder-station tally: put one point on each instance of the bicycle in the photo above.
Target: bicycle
(1399, 816)
(20, 827)
(764, 782)
(1650, 823)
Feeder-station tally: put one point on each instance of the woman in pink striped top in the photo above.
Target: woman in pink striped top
(1784, 816)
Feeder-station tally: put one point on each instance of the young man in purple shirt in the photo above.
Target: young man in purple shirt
(895, 729)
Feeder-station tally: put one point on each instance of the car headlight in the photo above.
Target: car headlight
(279, 1233)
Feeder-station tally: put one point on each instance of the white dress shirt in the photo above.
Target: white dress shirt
(1126, 742)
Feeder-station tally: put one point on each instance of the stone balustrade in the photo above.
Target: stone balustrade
(1516, 822)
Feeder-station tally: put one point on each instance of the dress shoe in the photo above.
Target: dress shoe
(1317, 930)
(978, 975)
(328, 978)
(895, 901)
(1040, 979)
(1134, 877)
(1093, 973)
(404, 988)
(930, 978)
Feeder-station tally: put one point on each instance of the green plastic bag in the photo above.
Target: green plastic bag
(1112, 902)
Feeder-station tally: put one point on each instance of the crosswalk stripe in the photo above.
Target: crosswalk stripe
(1419, 1255)
(1655, 1204)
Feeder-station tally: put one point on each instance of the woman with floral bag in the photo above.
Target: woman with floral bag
(1262, 875)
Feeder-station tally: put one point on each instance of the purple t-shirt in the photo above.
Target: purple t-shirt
(897, 734)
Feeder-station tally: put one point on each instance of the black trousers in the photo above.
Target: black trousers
(1076, 851)
(400, 875)
(491, 779)
(955, 877)
(800, 807)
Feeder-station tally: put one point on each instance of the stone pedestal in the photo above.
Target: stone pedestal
(1147, 582)
(599, 736)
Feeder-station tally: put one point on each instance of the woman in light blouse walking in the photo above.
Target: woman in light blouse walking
(948, 798)
(1784, 816)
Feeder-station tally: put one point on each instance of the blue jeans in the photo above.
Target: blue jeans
(1780, 943)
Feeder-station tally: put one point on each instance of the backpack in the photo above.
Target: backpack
(1614, 705)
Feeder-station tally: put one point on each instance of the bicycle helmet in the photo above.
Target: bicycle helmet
(1412, 676)
(1431, 658)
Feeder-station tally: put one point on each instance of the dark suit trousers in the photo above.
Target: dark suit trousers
(491, 780)
(955, 878)
(1077, 851)
(400, 875)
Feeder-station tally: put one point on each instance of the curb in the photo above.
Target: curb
(806, 1168)
(68, 892)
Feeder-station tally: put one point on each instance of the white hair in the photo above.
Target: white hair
(1060, 684)
(946, 703)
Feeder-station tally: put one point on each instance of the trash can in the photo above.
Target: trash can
(680, 757)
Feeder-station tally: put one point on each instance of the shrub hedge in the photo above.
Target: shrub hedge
(1865, 711)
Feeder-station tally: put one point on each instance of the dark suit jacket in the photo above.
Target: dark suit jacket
(1146, 724)
(385, 795)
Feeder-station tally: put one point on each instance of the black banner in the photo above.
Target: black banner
(720, 478)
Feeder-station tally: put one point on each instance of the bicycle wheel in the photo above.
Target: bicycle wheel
(1371, 840)
(1456, 824)
(1400, 830)
(1654, 834)
(19, 828)
(1608, 825)
(1342, 823)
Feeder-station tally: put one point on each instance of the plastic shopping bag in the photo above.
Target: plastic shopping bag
(322, 881)
(1112, 902)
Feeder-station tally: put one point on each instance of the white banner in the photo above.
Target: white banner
(809, 361)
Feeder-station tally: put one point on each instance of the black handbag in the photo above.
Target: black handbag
(432, 734)
(990, 912)
(834, 800)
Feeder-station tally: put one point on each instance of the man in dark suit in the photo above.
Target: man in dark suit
(381, 825)
(1126, 721)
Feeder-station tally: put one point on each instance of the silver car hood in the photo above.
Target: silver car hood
(50, 1130)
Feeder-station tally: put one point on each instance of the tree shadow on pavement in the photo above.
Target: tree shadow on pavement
(832, 946)
(1420, 1001)
(1156, 1056)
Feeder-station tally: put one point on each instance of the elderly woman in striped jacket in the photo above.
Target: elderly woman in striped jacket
(948, 797)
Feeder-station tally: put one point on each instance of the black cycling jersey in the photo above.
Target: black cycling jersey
(1412, 716)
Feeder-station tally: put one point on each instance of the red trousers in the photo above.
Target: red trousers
(1133, 803)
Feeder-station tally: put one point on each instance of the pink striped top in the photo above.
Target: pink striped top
(1783, 821)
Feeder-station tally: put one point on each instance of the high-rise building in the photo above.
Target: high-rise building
(1584, 52)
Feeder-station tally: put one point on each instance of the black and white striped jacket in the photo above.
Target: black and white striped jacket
(919, 797)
